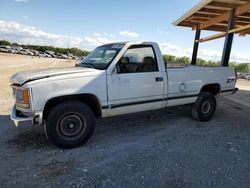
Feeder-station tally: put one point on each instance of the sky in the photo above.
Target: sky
(87, 24)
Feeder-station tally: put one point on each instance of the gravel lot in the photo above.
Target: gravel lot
(155, 149)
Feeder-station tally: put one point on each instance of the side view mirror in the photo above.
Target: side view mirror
(114, 70)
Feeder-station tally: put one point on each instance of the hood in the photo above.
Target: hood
(27, 76)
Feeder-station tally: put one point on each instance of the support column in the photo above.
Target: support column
(196, 46)
(228, 40)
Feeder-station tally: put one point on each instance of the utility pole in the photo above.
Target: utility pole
(68, 50)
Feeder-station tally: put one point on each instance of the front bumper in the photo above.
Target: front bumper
(35, 119)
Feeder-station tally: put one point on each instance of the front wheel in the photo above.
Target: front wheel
(204, 107)
(70, 124)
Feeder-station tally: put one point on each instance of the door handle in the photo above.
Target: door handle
(159, 79)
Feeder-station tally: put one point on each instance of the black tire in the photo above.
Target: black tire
(204, 107)
(70, 124)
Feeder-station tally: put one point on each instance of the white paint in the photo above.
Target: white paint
(113, 89)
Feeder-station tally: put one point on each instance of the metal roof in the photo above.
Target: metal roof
(213, 15)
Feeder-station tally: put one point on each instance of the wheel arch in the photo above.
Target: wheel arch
(214, 88)
(89, 99)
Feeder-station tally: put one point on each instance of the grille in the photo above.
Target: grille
(13, 91)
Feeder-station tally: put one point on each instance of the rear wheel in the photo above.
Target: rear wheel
(204, 107)
(70, 124)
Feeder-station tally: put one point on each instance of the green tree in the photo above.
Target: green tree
(169, 58)
(185, 60)
(5, 43)
(242, 67)
(15, 44)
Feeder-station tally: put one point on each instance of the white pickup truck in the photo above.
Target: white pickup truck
(115, 79)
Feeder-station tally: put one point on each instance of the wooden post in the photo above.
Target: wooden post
(196, 46)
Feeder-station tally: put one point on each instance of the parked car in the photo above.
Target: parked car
(51, 53)
(115, 79)
(5, 49)
(24, 52)
(43, 54)
(15, 49)
(242, 75)
(64, 56)
(71, 56)
(239, 74)
(247, 77)
(247, 74)
(35, 52)
(58, 55)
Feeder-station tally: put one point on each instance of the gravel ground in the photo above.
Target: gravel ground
(155, 149)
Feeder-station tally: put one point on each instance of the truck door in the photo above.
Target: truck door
(136, 84)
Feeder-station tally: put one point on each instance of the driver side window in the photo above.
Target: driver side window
(138, 58)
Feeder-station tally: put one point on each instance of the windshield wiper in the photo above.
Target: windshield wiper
(88, 64)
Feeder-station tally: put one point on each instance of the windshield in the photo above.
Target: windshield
(101, 57)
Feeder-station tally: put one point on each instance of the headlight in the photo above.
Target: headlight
(22, 98)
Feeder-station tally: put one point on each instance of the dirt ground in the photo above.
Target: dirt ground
(242, 96)
(155, 149)
(10, 64)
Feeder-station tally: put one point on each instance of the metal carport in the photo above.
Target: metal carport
(228, 17)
